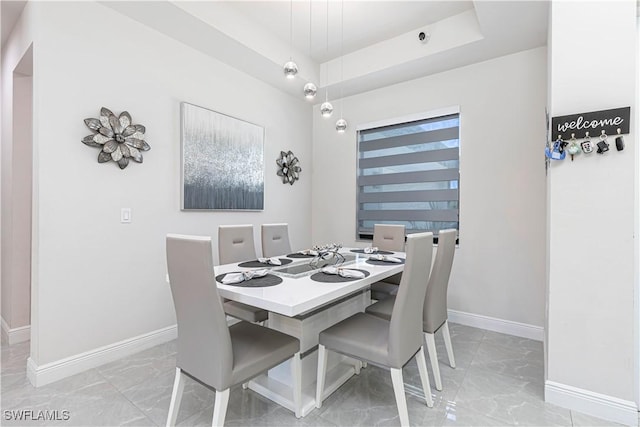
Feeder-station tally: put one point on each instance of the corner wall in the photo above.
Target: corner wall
(15, 170)
(498, 277)
(592, 217)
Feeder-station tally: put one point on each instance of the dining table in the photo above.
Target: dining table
(302, 301)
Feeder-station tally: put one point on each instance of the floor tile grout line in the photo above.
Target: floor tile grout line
(464, 377)
(124, 396)
(571, 418)
(134, 405)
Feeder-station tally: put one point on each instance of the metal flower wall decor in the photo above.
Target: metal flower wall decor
(289, 168)
(118, 139)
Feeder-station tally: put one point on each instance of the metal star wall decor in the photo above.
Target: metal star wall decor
(118, 139)
(288, 167)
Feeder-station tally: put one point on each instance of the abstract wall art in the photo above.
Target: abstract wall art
(222, 161)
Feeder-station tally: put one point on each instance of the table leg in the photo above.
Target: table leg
(276, 385)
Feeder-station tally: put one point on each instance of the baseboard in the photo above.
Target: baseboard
(15, 335)
(591, 403)
(47, 373)
(497, 325)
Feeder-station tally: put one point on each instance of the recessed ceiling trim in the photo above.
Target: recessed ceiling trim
(447, 34)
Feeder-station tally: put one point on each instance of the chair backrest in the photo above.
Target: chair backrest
(204, 343)
(235, 243)
(435, 304)
(275, 240)
(388, 237)
(405, 329)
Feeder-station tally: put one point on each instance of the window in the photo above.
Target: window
(408, 173)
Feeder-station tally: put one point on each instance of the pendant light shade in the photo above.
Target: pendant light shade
(341, 125)
(310, 90)
(290, 69)
(326, 109)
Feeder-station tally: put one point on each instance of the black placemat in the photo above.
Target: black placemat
(297, 255)
(336, 278)
(361, 251)
(378, 262)
(257, 264)
(257, 282)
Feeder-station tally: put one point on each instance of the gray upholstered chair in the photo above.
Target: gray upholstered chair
(209, 351)
(236, 244)
(387, 237)
(388, 343)
(275, 240)
(435, 306)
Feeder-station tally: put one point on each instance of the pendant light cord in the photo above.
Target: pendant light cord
(310, 26)
(291, 28)
(341, 56)
(327, 52)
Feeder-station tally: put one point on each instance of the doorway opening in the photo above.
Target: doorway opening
(17, 193)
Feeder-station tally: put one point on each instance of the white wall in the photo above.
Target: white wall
(592, 217)
(99, 281)
(15, 188)
(499, 268)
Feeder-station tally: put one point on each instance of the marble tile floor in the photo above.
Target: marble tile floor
(497, 382)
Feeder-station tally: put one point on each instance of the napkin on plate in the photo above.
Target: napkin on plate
(344, 272)
(385, 258)
(243, 276)
(308, 252)
(371, 250)
(272, 261)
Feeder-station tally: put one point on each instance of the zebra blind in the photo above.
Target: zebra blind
(408, 174)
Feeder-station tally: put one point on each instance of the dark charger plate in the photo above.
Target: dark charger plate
(257, 264)
(378, 262)
(361, 251)
(257, 282)
(335, 278)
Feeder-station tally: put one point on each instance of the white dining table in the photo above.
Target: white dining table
(303, 307)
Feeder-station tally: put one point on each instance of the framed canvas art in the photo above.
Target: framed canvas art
(222, 161)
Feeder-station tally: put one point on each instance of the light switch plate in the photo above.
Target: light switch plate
(125, 215)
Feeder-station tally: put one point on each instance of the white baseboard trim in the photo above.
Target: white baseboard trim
(497, 325)
(47, 373)
(591, 403)
(15, 335)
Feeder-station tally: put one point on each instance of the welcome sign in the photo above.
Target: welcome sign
(594, 122)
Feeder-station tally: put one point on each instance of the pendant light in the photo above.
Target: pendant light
(341, 124)
(326, 109)
(290, 67)
(310, 88)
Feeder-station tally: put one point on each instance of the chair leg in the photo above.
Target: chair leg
(401, 400)
(176, 398)
(447, 344)
(433, 357)
(322, 368)
(220, 408)
(296, 374)
(358, 366)
(424, 377)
